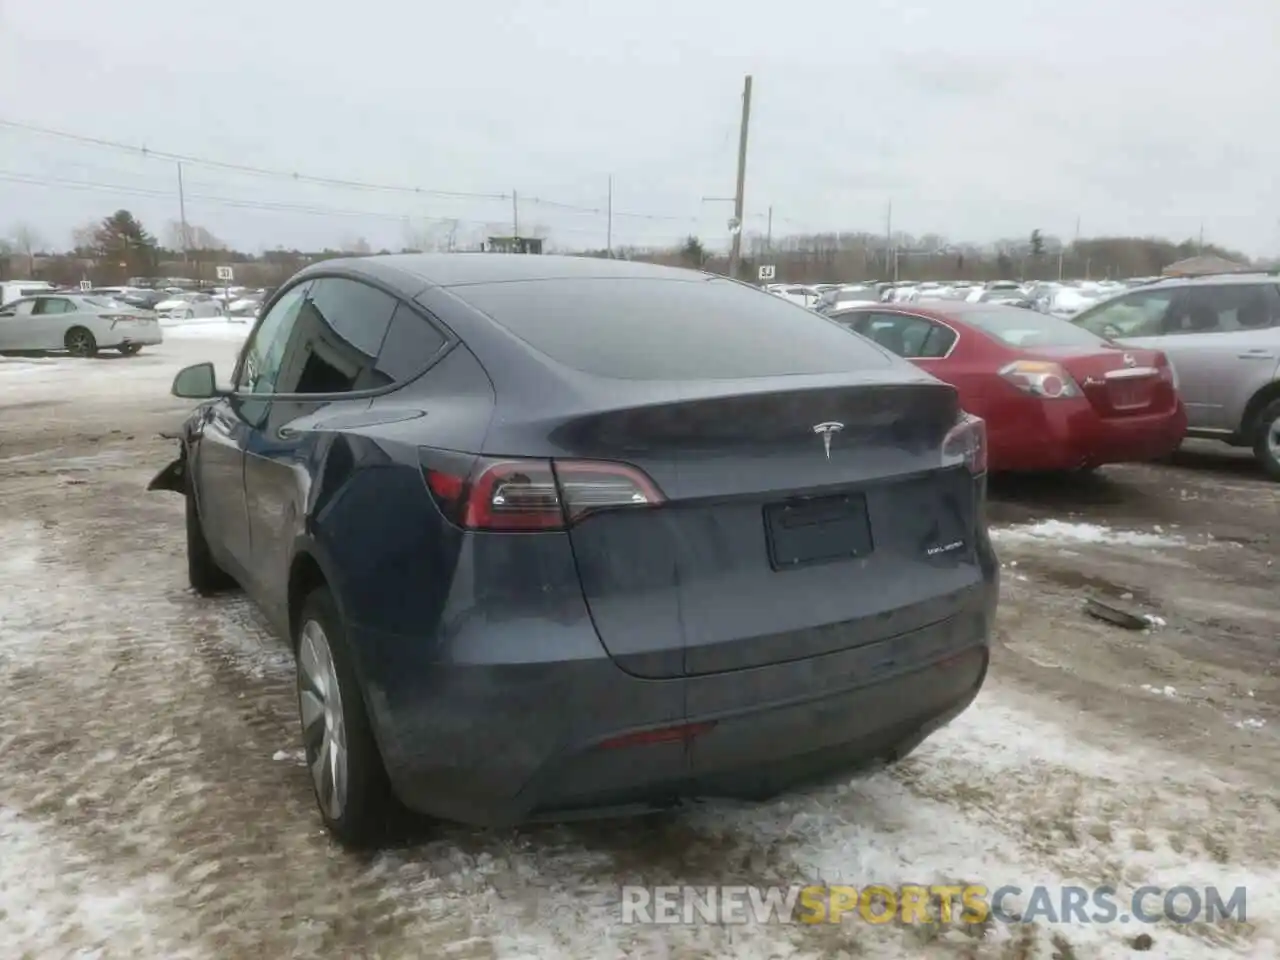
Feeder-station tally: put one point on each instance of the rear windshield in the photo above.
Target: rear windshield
(1027, 328)
(671, 329)
(102, 302)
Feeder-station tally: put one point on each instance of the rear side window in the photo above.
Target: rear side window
(1225, 309)
(908, 335)
(410, 344)
(670, 329)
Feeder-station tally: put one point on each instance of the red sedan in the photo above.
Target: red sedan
(1054, 396)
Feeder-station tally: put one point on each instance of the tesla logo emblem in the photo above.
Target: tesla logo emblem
(825, 431)
(1129, 360)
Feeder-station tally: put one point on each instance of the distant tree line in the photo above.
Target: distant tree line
(119, 247)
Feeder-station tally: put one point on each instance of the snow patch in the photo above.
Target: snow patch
(1060, 531)
(215, 329)
(1163, 691)
(55, 902)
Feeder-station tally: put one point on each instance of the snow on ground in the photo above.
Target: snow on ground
(152, 803)
(215, 328)
(1059, 531)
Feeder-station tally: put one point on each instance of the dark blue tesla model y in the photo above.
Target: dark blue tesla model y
(555, 537)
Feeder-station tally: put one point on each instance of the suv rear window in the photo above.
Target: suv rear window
(671, 329)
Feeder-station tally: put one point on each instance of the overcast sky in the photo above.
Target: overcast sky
(977, 120)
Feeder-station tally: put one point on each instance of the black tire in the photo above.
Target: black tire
(80, 342)
(1266, 439)
(130, 349)
(368, 811)
(203, 573)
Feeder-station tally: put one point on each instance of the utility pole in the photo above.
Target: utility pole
(735, 250)
(1200, 246)
(888, 238)
(182, 214)
(515, 215)
(768, 234)
(608, 236)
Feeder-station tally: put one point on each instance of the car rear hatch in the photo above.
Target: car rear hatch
(793, 523)
(1120, 382)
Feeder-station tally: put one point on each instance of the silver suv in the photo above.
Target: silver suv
(1222, 334)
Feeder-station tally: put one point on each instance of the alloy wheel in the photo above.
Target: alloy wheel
(78, 343)
(1273, 439)
(324, 732)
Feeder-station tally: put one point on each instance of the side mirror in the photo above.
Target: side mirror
(196, 382)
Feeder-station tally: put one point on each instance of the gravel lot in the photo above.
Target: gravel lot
(153, 802)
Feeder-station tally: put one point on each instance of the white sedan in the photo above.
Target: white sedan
(81, 325)
(188, 306)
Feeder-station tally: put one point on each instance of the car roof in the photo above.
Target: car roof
(1212, 279)
(407, 270)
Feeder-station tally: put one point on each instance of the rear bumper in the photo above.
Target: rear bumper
(142, 336)
(1065, 435)
(500, 743)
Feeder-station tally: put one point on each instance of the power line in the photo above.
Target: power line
(296, 177)
(280, 206)
(245, 168)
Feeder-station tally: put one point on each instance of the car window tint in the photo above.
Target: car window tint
(1139, 314)
(938, 342)
(1223, 309)
(357, 313)
(670, 329)
(47, 306)
(410, 344)
(264, 353)
(335, 342)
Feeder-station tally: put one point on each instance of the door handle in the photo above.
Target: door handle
(1257, 353)
(286, 433)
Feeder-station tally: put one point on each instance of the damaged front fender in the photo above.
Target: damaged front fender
(173, 477)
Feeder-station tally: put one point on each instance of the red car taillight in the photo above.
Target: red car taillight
(966, 443)
(526, 494)
(1041, 379)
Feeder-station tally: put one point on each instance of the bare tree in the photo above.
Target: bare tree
(85, 237)
(185, 237)
(27, 240)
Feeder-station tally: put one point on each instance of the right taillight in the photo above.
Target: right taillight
(966, 443)
(513, 494)
(1041, 379)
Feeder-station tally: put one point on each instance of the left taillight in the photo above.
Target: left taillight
(966, 443)
(515, 494)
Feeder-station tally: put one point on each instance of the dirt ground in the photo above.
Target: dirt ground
(153, 801)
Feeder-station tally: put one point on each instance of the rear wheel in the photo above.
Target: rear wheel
(347, 775)
(80, 343)
(203, 572)
(1266, 444)
(130, 349)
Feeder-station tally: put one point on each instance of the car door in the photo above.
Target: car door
(328, 367)
(1228, 364)
(51, 324)
(230, 426)
(1192, 337)
(16, 323)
